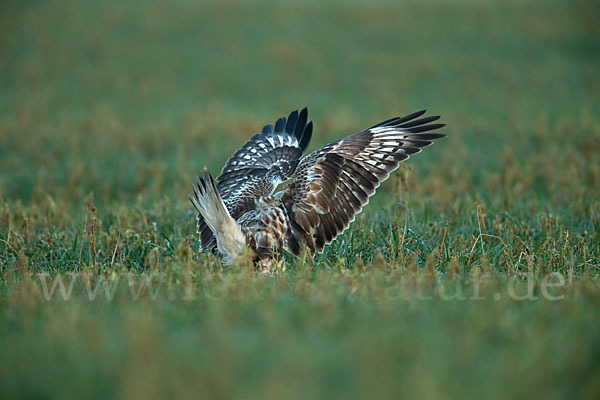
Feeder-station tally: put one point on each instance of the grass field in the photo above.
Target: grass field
(474, 272)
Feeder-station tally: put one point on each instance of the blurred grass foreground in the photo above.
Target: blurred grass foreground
(472, 273)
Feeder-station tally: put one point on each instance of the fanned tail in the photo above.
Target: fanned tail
(206, 199)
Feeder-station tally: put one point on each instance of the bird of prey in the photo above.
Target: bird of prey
(326, 189)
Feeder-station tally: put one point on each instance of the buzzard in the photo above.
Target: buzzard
(326, 189)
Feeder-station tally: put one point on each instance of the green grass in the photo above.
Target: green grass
(110, 109)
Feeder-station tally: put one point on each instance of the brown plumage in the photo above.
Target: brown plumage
(327, 188)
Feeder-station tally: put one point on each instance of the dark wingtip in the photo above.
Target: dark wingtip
(424, 128)
(306, 136)
(302, 119)
(300, 125)
(280, 125)
(417, 122)
(431, 136)
(267, 129)
(399, 120)
(291, 122)
(409, 117)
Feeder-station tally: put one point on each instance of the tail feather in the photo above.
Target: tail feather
(206, 199)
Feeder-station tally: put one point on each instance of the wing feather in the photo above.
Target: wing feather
(332, 184)
(256, 169)
(268, 157)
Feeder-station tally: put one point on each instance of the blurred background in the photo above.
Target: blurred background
(129, 100)
(119, 104)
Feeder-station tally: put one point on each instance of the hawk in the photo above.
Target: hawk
(326, 189)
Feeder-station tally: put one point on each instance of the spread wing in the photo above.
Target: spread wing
(273, 153)
(262, 163)
(332, 184)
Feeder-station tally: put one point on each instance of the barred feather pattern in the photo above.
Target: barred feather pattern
(333, 184)
(262, 163)
(327, 188)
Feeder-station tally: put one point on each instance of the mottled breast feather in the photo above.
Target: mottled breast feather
(265, 229)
